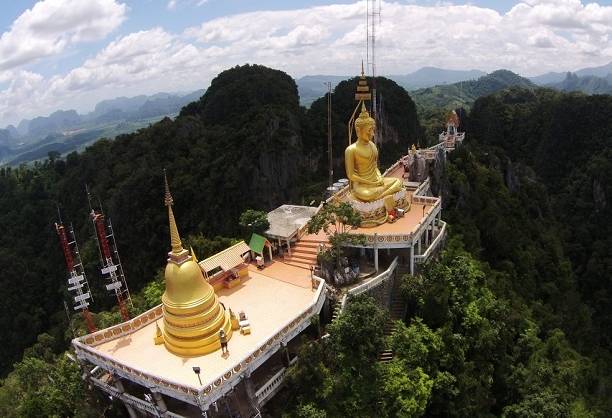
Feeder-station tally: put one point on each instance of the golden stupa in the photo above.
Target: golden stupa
(193, 316)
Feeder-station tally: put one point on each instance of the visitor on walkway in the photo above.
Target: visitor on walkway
(223, 339)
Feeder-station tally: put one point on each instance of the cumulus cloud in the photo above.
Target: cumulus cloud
(535, 36)
(51, 25)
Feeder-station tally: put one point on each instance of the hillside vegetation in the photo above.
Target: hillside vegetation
(514, 319)
(463, 94)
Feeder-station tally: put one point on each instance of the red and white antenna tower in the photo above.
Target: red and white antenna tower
(77, 282)
(109, 258)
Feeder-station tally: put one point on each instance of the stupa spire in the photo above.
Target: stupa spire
(175, 238)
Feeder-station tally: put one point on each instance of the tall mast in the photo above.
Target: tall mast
(77, 282)
(372, 19)
(111, 269)
(329, 134)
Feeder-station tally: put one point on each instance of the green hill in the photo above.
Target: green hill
(463, 94)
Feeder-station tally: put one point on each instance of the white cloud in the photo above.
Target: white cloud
(51, 25)
(535, 36)
(173, 3)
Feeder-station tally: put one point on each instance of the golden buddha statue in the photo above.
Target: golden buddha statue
(361, 162)
(193, 315)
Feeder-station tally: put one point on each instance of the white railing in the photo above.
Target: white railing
(368, 285)
(423, 186)
(117, 331)
(164, 385)
(432, 247)
(269, 389)
(426, 200)
(393, 167)
(203, 397)
(373, 282)
(132, 401)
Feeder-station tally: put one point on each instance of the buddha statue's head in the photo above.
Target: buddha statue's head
(365, 125)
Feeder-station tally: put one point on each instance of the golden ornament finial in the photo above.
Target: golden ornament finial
(168, 197)
(175, 239)
(364, 110)
(362, 72)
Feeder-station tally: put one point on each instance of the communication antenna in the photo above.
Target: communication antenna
(111, 269)
(77, 282)
(329, 133)
(373, 19)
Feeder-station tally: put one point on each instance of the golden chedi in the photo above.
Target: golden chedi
(361, 161)
(193, 315)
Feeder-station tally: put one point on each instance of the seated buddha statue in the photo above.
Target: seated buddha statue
(361, 162)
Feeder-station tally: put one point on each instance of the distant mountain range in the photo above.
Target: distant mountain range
(118, 109)
(464, 93)
(312, 87)
(588, 84)
(66, 130)
(551, 78)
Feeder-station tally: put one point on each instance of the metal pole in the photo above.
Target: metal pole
(329, 134)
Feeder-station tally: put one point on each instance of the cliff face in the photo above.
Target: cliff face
(398, 125)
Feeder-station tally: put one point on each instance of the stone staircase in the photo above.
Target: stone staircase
(304, 253)
(397, 311)
(336, 310)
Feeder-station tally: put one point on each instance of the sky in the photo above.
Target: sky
(71, 54)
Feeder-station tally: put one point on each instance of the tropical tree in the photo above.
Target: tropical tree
(337, 220)
(254, 221)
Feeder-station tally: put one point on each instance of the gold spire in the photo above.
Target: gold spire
(193, 255)
(175, 239)
(362, 73)
(192, 313)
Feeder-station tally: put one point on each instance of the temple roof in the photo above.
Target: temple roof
(226, 259)
(287, 219)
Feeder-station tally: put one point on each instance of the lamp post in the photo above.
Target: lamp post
(197, 370)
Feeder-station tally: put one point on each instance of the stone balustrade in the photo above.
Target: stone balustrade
(273, 385)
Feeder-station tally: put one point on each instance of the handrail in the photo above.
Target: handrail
(124, 328)
(272, 383)
(133, 400)
(370, 284)
(373, 282)
(422, 186)
(433, 244)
